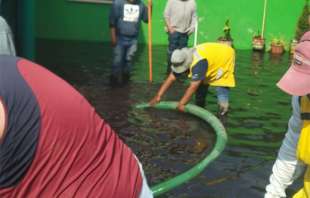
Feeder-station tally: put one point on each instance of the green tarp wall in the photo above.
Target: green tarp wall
(20, 17)
(62, 19)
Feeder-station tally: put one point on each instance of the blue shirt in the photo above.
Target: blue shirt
(199, 70)
(126, 17)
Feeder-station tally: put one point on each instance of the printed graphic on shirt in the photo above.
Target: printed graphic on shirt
(199, 70)
(219, 73)
(131, 13)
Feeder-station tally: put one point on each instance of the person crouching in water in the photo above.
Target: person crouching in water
(208, 64)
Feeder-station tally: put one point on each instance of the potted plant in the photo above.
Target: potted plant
(226, 38)
(258, 42)
(277, 46)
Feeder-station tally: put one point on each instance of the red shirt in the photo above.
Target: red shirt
(77, 154)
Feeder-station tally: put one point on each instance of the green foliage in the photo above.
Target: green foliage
(257, 35)
(303, 23)
(226, 31)
(279, 40)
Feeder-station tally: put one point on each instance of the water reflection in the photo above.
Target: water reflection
(275, 59)
(257, 58)
(168, 142)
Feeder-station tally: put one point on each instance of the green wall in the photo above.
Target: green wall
(61, 19)
(20, 17)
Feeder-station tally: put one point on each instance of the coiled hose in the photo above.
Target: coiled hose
(200, 166)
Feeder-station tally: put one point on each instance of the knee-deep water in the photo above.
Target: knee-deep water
(168, 142)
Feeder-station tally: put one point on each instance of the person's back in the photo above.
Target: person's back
(55, 144)
(221, 63)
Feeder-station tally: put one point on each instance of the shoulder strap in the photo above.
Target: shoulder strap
(304, 107)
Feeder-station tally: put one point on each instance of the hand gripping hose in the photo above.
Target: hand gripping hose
(198, 168)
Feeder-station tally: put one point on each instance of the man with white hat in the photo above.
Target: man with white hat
(207, 64)
(294, 154)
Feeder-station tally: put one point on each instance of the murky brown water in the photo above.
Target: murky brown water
(167, 142)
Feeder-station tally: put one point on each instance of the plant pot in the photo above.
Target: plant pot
(293, 46)
(277, 48)
(258, 43)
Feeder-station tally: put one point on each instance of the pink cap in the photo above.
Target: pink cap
(296, 81)
(305, 37)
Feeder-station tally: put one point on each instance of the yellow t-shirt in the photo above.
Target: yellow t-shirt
(221, 63)
(303, 148)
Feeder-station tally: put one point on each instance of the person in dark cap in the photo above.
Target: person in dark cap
(208, 64)
(294, 154)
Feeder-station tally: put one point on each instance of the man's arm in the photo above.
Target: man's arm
(2, 120)
(164, 87)
(113, 35)
(113, 17)
(167, 15)
(145, 13)
(286, 167)
(170, 29)
(188, 94)
(199, 71)
(193, 20)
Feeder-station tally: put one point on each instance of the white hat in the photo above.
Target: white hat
(181, 59)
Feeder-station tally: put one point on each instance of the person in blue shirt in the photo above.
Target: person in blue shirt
(125, 20)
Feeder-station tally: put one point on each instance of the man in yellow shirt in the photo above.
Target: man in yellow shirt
(208, 64)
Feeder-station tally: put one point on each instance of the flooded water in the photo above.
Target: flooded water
(167, 142)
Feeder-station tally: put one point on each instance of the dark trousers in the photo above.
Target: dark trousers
(124, 52)
(222, 94)
(177, 40)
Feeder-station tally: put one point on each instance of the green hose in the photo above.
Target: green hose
(198, 168)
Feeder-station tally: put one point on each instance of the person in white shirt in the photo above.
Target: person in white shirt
(180, 20)
(6, 40)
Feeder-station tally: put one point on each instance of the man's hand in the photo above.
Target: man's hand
(113, 36)
(171, 29)
(181, 107)
(190, 30)
(113, 43)
(154, 100)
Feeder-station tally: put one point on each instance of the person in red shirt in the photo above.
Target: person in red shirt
(54, 144)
